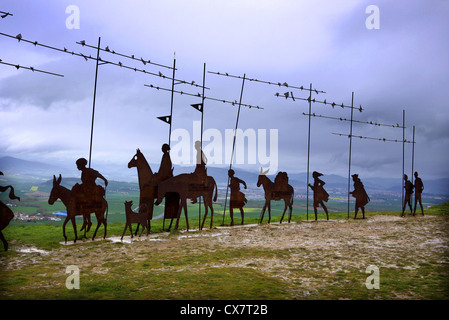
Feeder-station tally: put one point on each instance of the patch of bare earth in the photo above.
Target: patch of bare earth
(310, 254)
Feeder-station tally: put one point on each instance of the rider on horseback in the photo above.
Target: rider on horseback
(88, 193)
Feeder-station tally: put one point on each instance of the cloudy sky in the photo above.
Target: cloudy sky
(402, 65)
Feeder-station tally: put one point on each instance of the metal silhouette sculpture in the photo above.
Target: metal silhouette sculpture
(6, 214)
(408, 186)
(319, 194)
(140, 217)
(191, 186)
(77, 204)
(277, 190)
(360, 195)
(419, 188)
(238, 199)
(148, 184)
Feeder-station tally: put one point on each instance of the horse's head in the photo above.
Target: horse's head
(262, 177)
(54, 194)
(133, 162)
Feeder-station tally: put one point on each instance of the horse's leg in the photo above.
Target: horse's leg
(89, 223)
(137, 229)
(285, 209)
(178, 215)
(185, 213)
(290, 216)
(211, 214)
(5, 244)
(242, 213)
(99, 222)
(263, 212)
(74, 228)
(63, 228)
(205, 215)
(269, 212)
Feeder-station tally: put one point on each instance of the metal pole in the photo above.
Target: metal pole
(403, 156)
(171, 102)
(201, 138)
(93, 106)
(350, 150)
(413, 153)
(233, 145)
(308, 152)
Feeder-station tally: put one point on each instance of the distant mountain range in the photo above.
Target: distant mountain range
(42, 171)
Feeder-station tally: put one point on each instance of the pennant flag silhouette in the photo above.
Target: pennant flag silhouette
(198, 106)
(166, 119)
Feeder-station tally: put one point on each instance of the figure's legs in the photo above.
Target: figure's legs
(363, 212)
(315, 209)
(356, 210)
(325, 210)
(231, 214)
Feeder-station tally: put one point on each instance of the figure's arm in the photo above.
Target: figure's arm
(103, 178)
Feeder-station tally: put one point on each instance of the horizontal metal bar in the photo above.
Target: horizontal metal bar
(106, 49)
(30, 68)
(358, 121)
(267, 82)
(198, 95)
(288, 95)
(379, 139)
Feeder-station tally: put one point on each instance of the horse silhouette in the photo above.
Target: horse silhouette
(276, 191)
(74, 208)
(6, 214)
(187, 186)
(148, 185)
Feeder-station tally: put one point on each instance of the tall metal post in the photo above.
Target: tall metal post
(93, 106)
(350, 150)
(233, 144)
(413, 154)
(201, 137)
(403, 158)
(171, 101)
(308, 151)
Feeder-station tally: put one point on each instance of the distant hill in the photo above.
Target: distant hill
(32, 170)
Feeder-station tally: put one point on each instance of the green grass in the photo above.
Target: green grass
(210, 273)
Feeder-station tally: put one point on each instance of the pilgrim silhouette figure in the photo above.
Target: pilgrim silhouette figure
(165, 168)
(360, 195)
(419, 188)
(238, 199)
(6, 214)
(408, 186)
(319, 194)
(88, 192)
(200, 173)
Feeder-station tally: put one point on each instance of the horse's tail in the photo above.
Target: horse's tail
(107, 210)
(215, 197)
(293, 196)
